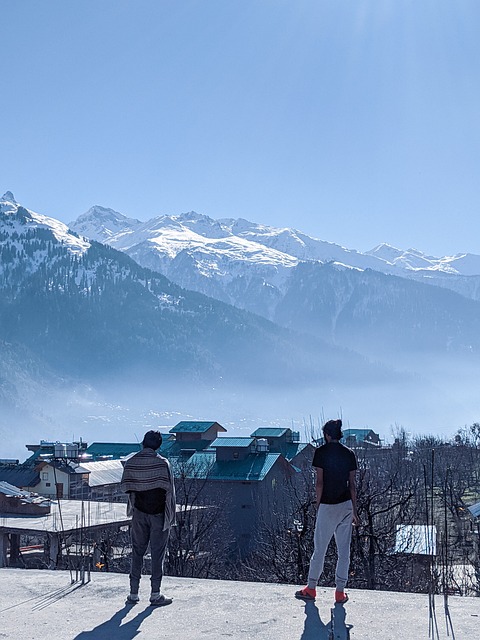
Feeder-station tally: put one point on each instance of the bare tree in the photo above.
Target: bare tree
(200, 543)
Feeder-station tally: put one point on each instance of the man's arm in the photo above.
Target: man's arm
(319, 485)
(352, 481)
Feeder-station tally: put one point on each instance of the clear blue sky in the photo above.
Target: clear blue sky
(357, 122)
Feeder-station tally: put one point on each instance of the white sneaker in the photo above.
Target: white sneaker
(132, 598)
(159, 600)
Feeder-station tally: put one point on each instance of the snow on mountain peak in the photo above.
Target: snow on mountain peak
(203, 225)
(385, 251)
(24, 218)
(8, 204)
(102, 223)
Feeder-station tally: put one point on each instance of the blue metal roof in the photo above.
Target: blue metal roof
(475, 510)
(203, 465)
(232, 442)
(295, 448)
(172, 448)
(114, 449)
(187, 426)
(199, 465)
(254, 468)
(20, 476)
(269, 432)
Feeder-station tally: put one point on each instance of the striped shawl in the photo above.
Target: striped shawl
(148, 470)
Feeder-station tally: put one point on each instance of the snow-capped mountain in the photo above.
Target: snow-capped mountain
(88, 310)
(249, 265)
(16, 221)
(82, 309)
(101, 224)
(463, 264)
(198, 253)
(337, 300)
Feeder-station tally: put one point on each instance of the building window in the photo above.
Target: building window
(47, 484)
(44, 475)
(235, 455)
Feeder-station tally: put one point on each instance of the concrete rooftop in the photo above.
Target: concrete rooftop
(41, 605)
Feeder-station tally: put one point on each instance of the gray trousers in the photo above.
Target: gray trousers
(146, 529)
(332, 520)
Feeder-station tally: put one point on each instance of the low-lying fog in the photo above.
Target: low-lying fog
(440, 402)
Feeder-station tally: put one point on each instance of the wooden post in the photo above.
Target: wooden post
(3, 549)
(14, 549)
(55, 552)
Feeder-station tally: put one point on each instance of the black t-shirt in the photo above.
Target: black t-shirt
(337, 461)
(151, 501)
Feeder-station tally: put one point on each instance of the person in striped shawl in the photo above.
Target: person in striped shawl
(148, 480)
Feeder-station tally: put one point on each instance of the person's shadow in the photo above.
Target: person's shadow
(315, 629)
(113, 628)
(339, 629)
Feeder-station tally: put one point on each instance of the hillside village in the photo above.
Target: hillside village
(245, 508)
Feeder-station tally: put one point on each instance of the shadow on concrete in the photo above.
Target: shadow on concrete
(313, 627)
(339, 629)
(114, 628)
(46, 599)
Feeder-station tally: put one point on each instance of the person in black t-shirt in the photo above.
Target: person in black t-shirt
(336, 509)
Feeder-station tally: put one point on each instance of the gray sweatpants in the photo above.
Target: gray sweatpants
(332, 520)
(146, 529)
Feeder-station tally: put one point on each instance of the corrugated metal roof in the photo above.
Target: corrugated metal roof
(269, 432)
(11, 491)
(475, 510)
(254, 468)
(418, 539)
(115, 449)
(187, 426)
(232, 442)
(104, 472)
(20, 477)
(294, 449)
(198, 466)
(72, 468)
(172, 448)
(203, 465)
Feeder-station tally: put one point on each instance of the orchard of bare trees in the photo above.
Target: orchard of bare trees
(423, 481)
(420, 482)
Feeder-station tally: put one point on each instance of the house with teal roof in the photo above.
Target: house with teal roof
(243, 474)
(247, 475)
(287, 442)
(190, 431)
(361, 438)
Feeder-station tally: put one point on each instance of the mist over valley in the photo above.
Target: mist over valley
(249, 326)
